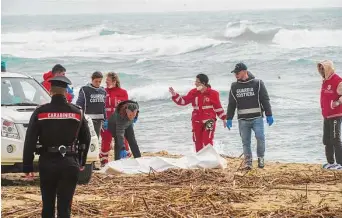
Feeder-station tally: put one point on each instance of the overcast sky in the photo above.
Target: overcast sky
(114, 6)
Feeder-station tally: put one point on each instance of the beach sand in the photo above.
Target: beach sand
(278, 190)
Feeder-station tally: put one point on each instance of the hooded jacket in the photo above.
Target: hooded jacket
(250, 97)
(331, 91)
(47, 85)
(92, 101)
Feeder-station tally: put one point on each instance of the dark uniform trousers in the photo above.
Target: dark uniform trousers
(58, 177)
(56, 124)
(332, 140)
(130, 137)
(97, 126)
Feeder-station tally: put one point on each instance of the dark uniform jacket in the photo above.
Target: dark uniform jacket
(55, 124)
(250, 97)
(92, 101)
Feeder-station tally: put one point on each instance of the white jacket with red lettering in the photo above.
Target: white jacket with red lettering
(206, 105)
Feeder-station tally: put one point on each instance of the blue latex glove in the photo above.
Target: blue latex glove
(229, 124)
(105, 124)
(135, 120)
(269, 120)
(123, 154)
(71, 91)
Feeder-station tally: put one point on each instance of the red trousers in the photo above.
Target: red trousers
(201, 136)
(105, 145)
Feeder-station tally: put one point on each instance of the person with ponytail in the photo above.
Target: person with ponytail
(206, 106)
(115, 95)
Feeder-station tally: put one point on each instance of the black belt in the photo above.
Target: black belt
(62, 149)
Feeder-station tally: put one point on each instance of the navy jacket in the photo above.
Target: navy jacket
(92, 101)
(250, 97)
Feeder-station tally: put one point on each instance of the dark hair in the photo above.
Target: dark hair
(203, 79)
(58, 69)
(96, 75)
(114, 77)
(128, 104)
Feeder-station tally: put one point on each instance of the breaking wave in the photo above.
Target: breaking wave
(98, 42)
(287, 38)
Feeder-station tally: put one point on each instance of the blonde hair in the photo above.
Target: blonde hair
(114, 76)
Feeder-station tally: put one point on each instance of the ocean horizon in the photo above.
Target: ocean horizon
(153, 51)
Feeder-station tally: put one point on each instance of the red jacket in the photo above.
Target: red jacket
(206, 105)
(329, 95)
(47, 85)
(114, 96)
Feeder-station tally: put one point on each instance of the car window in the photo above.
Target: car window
(30, 91)
(6, 91)
(22, 91)
(6, 86)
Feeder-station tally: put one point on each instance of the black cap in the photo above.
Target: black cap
(239, 67)
(60, 81)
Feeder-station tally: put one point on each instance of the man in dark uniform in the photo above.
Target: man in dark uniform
(61, 129)
(250, 97)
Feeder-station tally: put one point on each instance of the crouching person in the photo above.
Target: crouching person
(120, 125)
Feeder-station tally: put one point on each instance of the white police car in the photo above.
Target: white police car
(20, 95)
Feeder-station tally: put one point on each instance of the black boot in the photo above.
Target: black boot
(261, 163)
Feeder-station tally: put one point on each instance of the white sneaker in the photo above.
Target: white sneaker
(331, 166)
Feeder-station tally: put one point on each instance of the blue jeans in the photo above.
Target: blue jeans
(245, 128)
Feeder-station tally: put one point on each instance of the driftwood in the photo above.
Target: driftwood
(192, 193)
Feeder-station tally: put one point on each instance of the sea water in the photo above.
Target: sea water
(152, 52)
